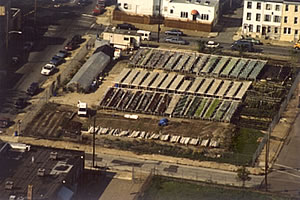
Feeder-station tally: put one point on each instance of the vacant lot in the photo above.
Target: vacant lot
(167, 189)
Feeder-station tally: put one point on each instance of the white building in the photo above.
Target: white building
(196, 14)
(203, 11)
(262, 18)
(139, 7)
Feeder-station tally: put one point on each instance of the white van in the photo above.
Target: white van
(82, 109)
(145, 35)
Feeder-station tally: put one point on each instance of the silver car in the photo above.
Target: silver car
(176, 40)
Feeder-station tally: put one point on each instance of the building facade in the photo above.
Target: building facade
(4, 29)
(189, 14)
(262, 18)
(272, 19)
(290, 25)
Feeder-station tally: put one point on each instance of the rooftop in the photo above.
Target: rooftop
(46, 169)
(197, 2)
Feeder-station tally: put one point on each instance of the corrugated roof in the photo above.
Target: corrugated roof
(90, 70)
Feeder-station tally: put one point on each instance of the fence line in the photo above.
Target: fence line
(276, 119)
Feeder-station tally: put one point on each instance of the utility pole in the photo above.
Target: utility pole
(35, 13)
(267, 159)
(158, 29)
(94, 141)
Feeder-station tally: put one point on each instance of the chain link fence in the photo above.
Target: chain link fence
(276, 119)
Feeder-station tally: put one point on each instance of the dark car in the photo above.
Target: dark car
(4, 122)
(20, 103)
(83, 2)
(56, 60)
(33, 89)
(173, 32)
(242, 46)
(77, 39)
(126, 26)
(62, 54)
(252, 40)
(70, 46)
(176, 40)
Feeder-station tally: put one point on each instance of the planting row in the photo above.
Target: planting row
(200, 64)
(169, 105)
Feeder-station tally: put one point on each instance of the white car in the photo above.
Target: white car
(48, 69)
(211, 44)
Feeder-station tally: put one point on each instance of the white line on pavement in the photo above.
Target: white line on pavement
(279, 165)
(87, 15)
(297, 176)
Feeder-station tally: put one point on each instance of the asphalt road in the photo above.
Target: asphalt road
(118, 163)
(285, 175)
(58, 26)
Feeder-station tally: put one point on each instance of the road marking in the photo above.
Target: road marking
(92, 25)
(297, 176)
(279, 165)
(87, 15)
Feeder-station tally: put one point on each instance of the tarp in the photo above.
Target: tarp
(89, 72)
(65, 193)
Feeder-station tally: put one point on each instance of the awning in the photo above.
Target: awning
(194, 12)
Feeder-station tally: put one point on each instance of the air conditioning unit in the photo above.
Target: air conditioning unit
(41, 172)
(53, 155)
(9, 185)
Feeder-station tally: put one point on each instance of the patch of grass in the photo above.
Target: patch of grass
(212, 108)
(200, 108)
(168, 189)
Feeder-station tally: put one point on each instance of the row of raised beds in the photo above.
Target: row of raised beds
(172, 105)
(196, 63)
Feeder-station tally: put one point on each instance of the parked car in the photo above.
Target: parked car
(174, 32)
(126, 26)
(241, 45)
(176, 40)
(55, 60)
(28, 45)
(70, 46)
(20, 103)
(252, 40)
(77, 39)
(4, 122)
(62, 54)
(48, 69)
(33, 89)
(83, 2)
(212, 44)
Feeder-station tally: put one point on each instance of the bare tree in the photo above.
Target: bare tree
(243, 175)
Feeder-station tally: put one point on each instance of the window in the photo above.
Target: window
(250, 28)
(276, 18)
(267, 18)
(269, 29)
(119, 4)
(286, 7)
(258, 28)
(248, 16)
(296, 8)
(295, 20)
(284, 30)
(157, 7)
(249, 5)
(277, 7)
(126, 38)
(184, 14)
(296, 32)
(257, 17)
(204, 17)
(289, 30)
(276, 30)
(171, 11)
(125, 6)
(285, 19)
(258, 6)
(268, 6)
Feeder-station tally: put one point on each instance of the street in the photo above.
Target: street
(134, 165)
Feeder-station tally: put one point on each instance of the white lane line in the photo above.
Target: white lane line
(283, 172)
(279, 165)
(87, 15)
(92, 25)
